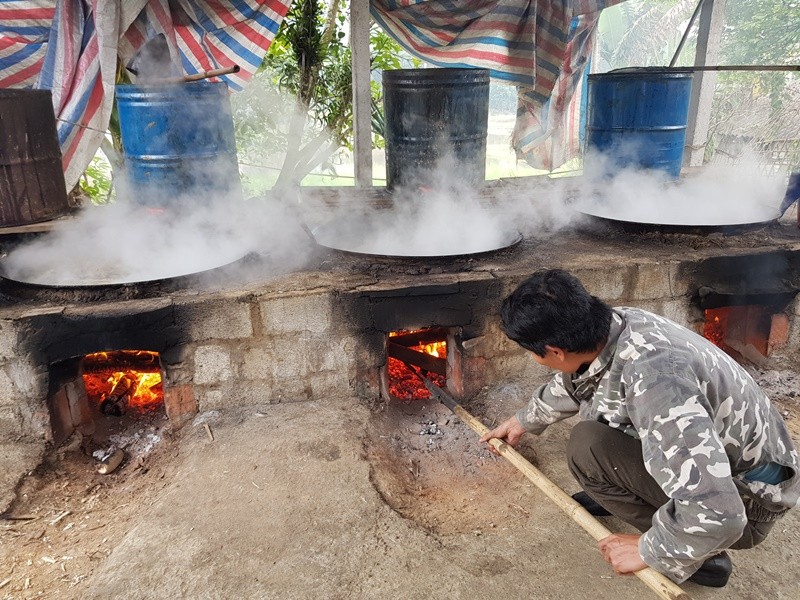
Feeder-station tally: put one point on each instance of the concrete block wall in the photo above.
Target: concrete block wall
(23, 389)
(259, 347)
(301, 348)
(284, 348)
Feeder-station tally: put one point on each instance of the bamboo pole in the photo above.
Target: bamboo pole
(194, 76)
(657, 582)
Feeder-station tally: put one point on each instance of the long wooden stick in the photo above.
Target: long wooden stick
(657, 582)
(212, 73)
(195, 76)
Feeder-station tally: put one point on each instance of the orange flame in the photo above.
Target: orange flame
(142, 373)
(405, 385)
(715, 327)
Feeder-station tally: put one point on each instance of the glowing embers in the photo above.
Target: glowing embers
(742, 329)
(124, 381)
(426, 350)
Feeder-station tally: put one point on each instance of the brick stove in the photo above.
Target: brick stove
(323, 331)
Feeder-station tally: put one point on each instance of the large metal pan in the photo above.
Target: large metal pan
(378, 235)
(646, 217)
(98, 274)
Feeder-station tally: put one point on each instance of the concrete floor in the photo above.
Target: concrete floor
(281, 505)
(283, 502)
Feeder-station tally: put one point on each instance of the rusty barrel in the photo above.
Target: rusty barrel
(32, 187)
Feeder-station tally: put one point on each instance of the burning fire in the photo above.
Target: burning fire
(405, 385)
(738, 327)
(124, 380)
(715, 327)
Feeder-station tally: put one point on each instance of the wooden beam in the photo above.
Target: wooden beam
(709, 37)
(362, 106)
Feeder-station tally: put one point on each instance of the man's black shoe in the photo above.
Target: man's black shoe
(714, 572)
(586, 501)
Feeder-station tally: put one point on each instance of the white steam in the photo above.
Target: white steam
(127, 243)
(447, 219)
(451, 219)
(191, 220)
(717, 195)
(153, 62)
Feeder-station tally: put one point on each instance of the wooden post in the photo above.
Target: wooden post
(709, 35)
(362, 106)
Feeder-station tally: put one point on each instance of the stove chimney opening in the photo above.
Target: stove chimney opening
(427, 351)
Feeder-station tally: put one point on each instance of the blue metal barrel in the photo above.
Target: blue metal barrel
(178, 142)
(435, 115)
(638, 117)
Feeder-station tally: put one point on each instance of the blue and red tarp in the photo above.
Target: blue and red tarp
(71, 47)
(541, 46)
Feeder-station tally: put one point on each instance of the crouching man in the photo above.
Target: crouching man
(676, 438)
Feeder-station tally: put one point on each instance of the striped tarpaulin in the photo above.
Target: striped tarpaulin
(71, 47)
(24, 29)
(542, 46)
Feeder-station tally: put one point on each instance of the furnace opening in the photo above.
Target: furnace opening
(749, 328)
(124, 381)
(107, 401)
(424, 349)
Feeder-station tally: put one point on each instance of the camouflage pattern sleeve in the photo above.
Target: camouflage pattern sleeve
(684, 454)
(550, 403)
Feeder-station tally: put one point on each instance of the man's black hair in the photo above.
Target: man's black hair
(552, 308)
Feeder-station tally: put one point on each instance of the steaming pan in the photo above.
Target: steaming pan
(95, 275)
(363, 237)
(649, 216)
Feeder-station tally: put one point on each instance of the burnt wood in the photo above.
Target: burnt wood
(423, 336)
(32, 186)
(120, 361)
(430, 363)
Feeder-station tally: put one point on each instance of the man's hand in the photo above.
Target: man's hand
(509, 431)
(621, 550)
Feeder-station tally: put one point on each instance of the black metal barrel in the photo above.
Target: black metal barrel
(32, 187)
(436, 123)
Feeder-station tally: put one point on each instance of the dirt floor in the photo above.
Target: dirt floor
(333, 499)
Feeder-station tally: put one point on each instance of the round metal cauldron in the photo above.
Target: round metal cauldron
(375, 235)
(637, 117)
(178, 141)
(435, 115)
(32, 187)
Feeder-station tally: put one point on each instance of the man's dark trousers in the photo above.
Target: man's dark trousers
(609, 466)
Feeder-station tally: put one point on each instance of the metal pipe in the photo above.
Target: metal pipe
(686, 33)
(740, 68)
